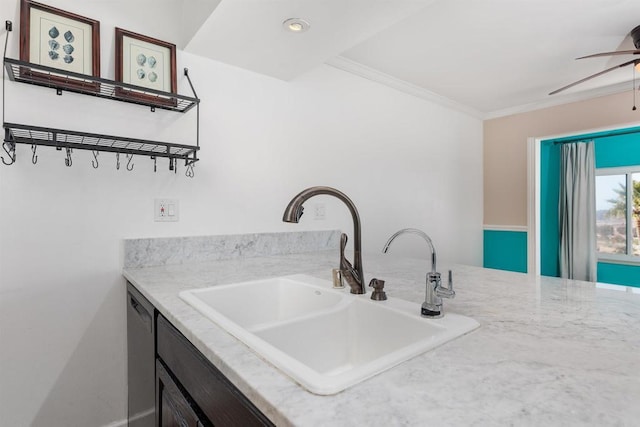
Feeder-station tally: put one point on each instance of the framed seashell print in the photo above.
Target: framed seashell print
(59, 39)
(147, 63)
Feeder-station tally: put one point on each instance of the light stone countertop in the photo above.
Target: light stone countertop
(548, 351)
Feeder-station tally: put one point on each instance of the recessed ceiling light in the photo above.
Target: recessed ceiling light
(296, 25)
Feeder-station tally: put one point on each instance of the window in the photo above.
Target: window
(618, 213)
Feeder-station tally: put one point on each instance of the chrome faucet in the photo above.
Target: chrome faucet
(351, 273)
(432, 305)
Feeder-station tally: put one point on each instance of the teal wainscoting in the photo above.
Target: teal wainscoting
(505, 250)
(620, 274)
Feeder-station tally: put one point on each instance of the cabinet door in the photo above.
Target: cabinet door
(173, 408)
(213, 394)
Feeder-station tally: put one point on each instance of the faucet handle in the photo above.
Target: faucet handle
(447, 292)
(343, 245)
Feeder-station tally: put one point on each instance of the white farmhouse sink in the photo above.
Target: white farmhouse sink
(323, 338)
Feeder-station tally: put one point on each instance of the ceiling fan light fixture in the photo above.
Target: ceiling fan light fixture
(296, 25)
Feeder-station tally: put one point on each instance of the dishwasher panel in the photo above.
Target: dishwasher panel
(140, 359)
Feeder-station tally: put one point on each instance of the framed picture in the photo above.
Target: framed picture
(55, 38)
(145, 62)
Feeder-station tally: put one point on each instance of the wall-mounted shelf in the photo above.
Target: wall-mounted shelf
(61, 80)
(25, 72)
(58, 138)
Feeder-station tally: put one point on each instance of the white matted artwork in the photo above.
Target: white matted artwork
(145, 62)
(60, 42)
(58, 39)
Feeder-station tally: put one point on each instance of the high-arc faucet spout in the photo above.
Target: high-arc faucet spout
(432, 305)
(419, 233)
(353, 274)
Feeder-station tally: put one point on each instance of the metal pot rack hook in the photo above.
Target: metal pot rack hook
(155, 163)
(68, 161)
(34, 157)
(189, 172)
(118, 161)
(173, 164)
(95, 163)
(10, 149)
(129, 164)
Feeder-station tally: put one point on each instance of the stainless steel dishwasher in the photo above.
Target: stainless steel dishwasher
(140, 359)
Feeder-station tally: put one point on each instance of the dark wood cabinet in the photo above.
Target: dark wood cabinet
(210, 392)
(189, 390)
(172, 406)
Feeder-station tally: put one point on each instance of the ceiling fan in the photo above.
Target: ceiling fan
(635, 36)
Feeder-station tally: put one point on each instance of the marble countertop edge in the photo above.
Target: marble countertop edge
(545, 348)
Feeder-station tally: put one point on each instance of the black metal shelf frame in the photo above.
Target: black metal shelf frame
(60, 80)
(40, 75)
(58, 138)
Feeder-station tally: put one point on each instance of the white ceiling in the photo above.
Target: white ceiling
(484, 57)
(249, 33)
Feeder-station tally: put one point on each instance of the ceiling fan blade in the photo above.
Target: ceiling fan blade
(617, 52)
(633, 61)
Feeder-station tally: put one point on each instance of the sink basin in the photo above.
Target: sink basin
(325, 339)
(257, 304)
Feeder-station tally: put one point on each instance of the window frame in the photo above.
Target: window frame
(627, 258)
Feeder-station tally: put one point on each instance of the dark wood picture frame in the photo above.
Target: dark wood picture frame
(124, 41)
(26, 38)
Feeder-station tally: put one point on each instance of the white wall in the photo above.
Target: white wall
(404, 162)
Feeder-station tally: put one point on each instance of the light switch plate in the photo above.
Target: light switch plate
(166, 210)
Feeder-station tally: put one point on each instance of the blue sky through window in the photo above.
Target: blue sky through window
(605, 186)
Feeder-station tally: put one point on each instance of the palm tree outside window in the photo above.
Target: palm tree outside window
(618, 213)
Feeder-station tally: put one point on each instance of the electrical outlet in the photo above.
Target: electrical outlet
(319, 211)
(166, 210)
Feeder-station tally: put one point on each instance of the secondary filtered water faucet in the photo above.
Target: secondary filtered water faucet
(432, 305)
(351, 273)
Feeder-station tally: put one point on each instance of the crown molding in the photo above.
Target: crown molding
(555, 100)
(363, 71)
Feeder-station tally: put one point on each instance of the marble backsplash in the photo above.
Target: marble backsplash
(151, 252)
